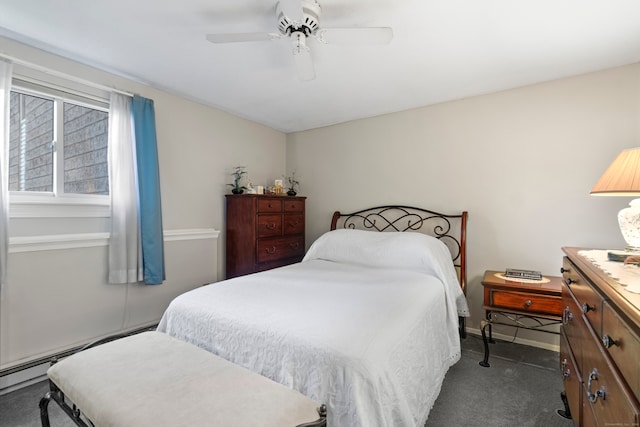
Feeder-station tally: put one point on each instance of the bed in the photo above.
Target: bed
(368, 323)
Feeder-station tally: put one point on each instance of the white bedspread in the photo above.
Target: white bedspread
(373, 344)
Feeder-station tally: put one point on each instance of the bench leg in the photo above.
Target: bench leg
(57, 396)
(44, 410)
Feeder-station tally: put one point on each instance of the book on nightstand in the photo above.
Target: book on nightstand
(515, 273)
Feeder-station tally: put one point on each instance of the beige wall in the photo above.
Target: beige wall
(522, 162)
(57, 297)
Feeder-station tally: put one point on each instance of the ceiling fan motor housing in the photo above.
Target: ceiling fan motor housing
(310, 20)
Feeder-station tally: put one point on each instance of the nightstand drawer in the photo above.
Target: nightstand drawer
(279, 248)
(527, 302)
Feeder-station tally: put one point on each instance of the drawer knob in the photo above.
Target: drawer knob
(527, 303)
(294, 245)
(569, 281)
(567, 316)
(593, 397)
(270, 226)
(587, 308)
(608, 342)
(566, 372)
(564, 270)
(271, 250)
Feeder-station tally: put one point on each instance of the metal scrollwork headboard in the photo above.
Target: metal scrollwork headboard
(451, 229)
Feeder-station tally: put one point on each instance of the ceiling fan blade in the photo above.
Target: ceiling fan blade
(241, 37)
(365, 35)
(292, 9)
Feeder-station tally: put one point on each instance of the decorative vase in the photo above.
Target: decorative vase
(629, 222)
(291, 193)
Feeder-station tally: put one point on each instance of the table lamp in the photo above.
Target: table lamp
(622, 178)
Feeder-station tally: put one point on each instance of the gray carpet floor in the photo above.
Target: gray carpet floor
(521, 388)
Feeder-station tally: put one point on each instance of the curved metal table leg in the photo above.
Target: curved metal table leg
(485, 362)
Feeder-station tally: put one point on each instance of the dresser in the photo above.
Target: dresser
(599, 344)
(263, 232)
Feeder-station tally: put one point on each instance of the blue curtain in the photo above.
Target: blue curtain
(151, 236)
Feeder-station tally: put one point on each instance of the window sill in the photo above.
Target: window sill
(49, 206)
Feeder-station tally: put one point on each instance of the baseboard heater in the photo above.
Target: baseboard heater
(62, 354)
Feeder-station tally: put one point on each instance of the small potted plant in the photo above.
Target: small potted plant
(237, 174)
(292, 184)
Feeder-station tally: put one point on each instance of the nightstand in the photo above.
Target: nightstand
(526, 304)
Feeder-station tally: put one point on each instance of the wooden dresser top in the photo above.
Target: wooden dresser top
(628, 303)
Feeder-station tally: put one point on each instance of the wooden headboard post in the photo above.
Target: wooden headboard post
(408, 218)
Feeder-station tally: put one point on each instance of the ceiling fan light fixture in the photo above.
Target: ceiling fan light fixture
(299, 41)
(309, 24)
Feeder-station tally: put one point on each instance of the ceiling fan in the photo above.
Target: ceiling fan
(300, 19)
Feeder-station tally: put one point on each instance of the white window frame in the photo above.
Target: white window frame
(57, 204)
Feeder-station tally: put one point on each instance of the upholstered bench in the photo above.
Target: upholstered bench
(152, 379)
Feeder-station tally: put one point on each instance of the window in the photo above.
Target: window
(58, 142)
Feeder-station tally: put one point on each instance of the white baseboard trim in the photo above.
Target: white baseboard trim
(88, 240)
(523, 341)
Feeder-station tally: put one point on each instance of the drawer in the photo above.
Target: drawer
(587, 417)
(623, 346)
(588, 299)
(571, 379)
(269, 225)
(269, 205)
(573, 325)
(616, 406)
(294, 205)
(527, 302)
(274, 249)
(294, 224)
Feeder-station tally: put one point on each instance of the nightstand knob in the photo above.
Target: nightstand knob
(527, 303)
(569, 281)
(564, 270)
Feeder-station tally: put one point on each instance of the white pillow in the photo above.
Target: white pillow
(403, 250)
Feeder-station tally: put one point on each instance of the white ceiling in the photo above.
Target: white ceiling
(441, 50)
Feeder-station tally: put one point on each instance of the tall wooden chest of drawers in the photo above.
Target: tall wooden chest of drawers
(263, 232)
(599, 345)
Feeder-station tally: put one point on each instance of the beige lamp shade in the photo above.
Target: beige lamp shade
(622, 178)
